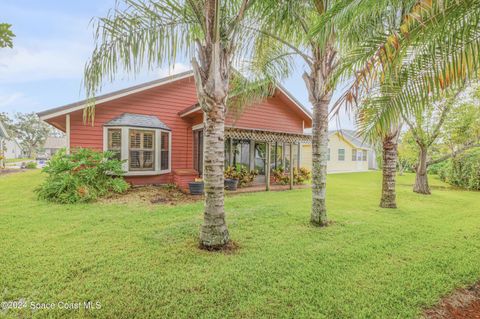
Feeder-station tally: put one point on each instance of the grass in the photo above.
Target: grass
(15, 160)
(142, 261)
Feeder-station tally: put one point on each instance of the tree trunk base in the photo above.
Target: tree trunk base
(214, 237)
(421, 184)
(388, 204)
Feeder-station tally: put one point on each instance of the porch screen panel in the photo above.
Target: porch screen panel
(241, 153)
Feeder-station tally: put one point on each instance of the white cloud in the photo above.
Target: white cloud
(51, 61)
(17, 102)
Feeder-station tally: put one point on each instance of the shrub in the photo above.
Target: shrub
(244, 176)
(82, 176)
(31, 165)
(463, 170)
(437, 168)
(300, 176)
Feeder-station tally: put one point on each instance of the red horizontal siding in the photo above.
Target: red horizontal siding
(276, 114)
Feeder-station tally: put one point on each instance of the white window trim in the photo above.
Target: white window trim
(125, 155)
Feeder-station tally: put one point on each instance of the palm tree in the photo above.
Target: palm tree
(6, 35)
(154, 32)
(430, 53)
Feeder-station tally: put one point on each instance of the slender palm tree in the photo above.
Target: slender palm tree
(151, 33)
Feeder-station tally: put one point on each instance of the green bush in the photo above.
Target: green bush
(31, 165)
(240, 172)
(437, 168)
(300, 176)
(82, 176)
(463, 170)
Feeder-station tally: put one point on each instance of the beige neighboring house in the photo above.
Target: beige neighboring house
(346, 153)
(53, 145)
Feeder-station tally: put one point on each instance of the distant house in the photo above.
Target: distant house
(346, 153)
(13, 149)
(3, 137)
(54, 144)
(157, 129)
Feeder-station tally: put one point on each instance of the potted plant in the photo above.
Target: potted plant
(231, 178)
(196, 187)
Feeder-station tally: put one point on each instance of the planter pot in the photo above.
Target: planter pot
(231, 184)
(196, 188)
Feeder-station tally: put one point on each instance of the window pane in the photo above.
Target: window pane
(260, 157)
(114, 142)
(364, 155)
(114, 139)
(135, 160)
(354, 154)
(148, 140)
(142, 150)
(147, 161)
(164, 154)
(135, 139)
(341, 154)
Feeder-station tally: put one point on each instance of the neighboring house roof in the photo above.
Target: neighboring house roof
(137, 120)
(353, 138)
(3, 131)
(55, 142)
(62, 110)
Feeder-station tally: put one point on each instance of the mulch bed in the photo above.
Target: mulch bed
(463, 303)
(153, 195)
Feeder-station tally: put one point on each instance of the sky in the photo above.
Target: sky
(54, 39)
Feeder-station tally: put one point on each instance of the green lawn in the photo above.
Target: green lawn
(15, 160)
(142, 261)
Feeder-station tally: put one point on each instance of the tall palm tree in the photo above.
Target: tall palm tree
(150, 33)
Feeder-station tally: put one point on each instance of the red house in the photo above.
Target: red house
(157, 127)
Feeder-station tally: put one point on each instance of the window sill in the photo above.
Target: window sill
(146, 173)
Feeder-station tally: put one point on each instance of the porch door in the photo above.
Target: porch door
(198, 151)
(260, 161)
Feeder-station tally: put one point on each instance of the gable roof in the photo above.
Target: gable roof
(62, 110)
(352, 137)
(3, 131)
(55, 142)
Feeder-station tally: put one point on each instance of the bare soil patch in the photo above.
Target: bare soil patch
(462, 304)
(11, 171)
(153, 195)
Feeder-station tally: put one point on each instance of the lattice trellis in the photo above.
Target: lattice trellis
(265, 136)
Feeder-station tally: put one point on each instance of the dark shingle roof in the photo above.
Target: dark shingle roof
(138, 120)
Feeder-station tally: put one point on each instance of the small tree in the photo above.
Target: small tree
(31, 131)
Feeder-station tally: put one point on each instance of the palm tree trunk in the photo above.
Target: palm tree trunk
(319, 162)
(319, 95)
(388, 199)
(421, 177)
(214, 232)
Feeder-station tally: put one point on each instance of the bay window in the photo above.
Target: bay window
(145, 151)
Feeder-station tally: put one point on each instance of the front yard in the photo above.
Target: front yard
(140, 260)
